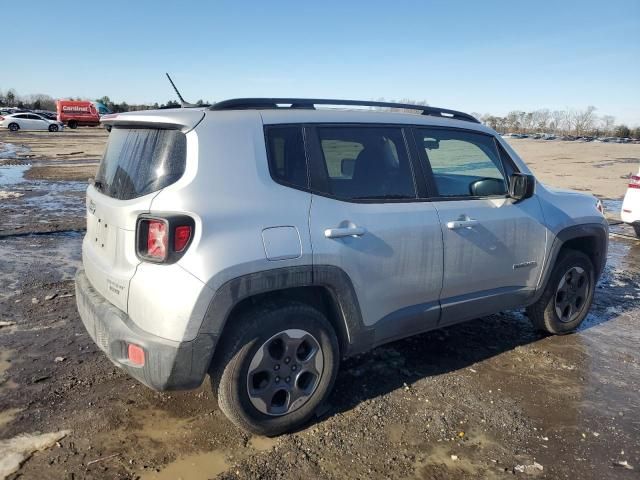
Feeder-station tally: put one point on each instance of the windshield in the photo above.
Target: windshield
(139, 161)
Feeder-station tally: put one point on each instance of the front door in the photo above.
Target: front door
(493, 247)
(366, 219)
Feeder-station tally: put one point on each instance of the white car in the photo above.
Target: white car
(29, 121)
(631, 205)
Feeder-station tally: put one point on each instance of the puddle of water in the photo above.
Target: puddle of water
(199, 466)
(612, 207)
(10, 150)
(623, 255)
(50, 258)
(159, 425)
(12, 174)
(5, 362)
(262, 444)
(7, 416)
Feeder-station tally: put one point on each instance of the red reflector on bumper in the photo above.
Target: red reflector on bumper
(135, 354)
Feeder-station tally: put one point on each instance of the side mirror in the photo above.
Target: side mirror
(521, 186)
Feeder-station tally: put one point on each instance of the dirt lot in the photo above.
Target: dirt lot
(475, 400)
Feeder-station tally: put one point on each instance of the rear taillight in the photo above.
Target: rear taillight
(634, 182)
(157, 239)
(163, 239)
(181, 238)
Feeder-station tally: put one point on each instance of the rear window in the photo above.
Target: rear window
(139, 161)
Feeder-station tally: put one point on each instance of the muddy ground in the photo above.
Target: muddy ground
(475, 400)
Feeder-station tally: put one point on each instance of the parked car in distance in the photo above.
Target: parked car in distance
(77, 113)
(45, 114)
(261, 241)
(631, 204)
(29, 121)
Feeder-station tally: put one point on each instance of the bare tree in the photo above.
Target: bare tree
(541, 119)
(582, 121)
(557, 120)
(608, 122)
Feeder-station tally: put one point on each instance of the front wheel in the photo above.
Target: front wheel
(567, 297)
(73, 124)
(53, 128)
(636, 228)
(276, 367)
(14, 127)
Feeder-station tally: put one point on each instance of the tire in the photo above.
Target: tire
(14, 127)
(248, 373)
(73, 124)
(636, 228)
(567, 296)
(53, 128)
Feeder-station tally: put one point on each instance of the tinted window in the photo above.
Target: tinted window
(287, 160)
(366, 163)
(463, 163)
(139, 161)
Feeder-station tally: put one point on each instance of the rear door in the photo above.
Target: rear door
(367, 219)
(24, 121)
(139, 161)
(38, 123)
(493, 247)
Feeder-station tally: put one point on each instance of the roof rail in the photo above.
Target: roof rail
(310, 103)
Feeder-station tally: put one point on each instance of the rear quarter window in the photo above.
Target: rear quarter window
(286, 155)
(139, 161)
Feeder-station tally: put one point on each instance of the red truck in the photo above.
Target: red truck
(77, 113)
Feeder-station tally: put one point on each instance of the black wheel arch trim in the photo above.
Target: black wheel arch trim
(599, 231)
(358, 337)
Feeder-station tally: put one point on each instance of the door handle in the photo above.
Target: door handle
(344, 232)
(458, 224)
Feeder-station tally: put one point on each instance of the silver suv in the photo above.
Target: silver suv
(260, 241)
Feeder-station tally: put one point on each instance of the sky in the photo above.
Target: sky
(476, 56)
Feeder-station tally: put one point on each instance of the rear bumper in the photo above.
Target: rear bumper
(168, 365)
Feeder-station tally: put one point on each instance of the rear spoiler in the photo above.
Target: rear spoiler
(175, 119)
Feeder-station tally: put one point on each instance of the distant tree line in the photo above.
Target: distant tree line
(559, 122)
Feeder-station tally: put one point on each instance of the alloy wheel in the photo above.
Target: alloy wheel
(285, 372)
(571, 294)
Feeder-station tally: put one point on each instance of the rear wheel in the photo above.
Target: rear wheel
(567, 297)
(275, 368)
(73, 124)
(636, 228)
(14, 127)
(53, 128)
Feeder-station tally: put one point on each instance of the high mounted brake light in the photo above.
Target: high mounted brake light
(163, 238)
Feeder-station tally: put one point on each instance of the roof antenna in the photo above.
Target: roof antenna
(183, 104)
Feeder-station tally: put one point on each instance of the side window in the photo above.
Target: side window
(463, 163)
(366, 163)
(287, 160)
